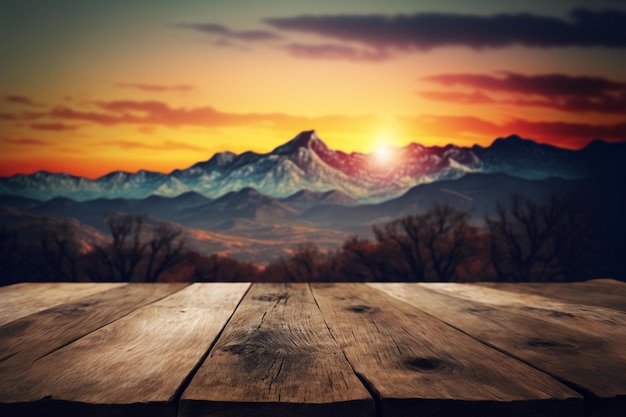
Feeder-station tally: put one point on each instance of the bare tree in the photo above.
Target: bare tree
(303, 265)
(58, 252)
(118, 261)
(523, 246)
(432, 244)
(220, 268)
(132, 249)
(166, 250)
(552, 241)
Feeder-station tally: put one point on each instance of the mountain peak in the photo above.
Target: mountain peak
(512, 140)
(306, 139)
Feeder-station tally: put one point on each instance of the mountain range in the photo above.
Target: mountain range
(306, 163)
(258, 207)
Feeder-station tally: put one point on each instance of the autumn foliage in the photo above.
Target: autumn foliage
(524, 241)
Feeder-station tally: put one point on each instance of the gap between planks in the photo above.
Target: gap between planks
(420, 365)
(133, 366)
(569, 343)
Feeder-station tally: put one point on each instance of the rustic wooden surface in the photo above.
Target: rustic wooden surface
(21, 300)
(320, 349)
(277, 349)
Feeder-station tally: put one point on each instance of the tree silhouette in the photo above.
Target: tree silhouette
(433, 244)
(552, 241)
(132, 247)
(165, 251)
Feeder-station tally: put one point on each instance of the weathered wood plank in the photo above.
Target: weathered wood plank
(419, 365)
(25, 340)
(276, 357)
(599, 320)
(592, 361)
(607, 293)
(133, 366)
(23, 299)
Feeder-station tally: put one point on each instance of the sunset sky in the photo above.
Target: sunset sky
(88, 87)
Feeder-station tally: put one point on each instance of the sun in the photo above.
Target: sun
(383, 155)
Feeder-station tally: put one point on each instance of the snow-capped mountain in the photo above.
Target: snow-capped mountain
(306, 163)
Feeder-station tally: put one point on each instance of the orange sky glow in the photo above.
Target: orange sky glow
(92, 88)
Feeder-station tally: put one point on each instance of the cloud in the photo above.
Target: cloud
(146, 114)
(17, 99)
(159, 113)
(572, 135)
(334, 52)
(458, 97)
(425, 31)
(167, 145)
(157, 88)
(558, 91)
(229, 38)
(225, 32)
(547, 85)
(58, 127)
(25, 115)
(9, 116)
(25, 141)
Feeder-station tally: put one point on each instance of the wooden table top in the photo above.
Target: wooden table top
(240, 349)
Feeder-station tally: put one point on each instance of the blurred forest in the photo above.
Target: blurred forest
(558, 241)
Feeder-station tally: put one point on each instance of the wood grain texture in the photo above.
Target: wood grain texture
(607, 293)
(20, 300)
(133, 366)
(592, 361)
(276, 357)
(419, 365)
(29, 338)
(600, 320)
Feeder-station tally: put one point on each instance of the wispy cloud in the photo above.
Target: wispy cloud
(57, 127)
(425, 31)
(150, 114)
(24, 142)
(146, 114)
(165, 146)
(560, 133)
(160, 113)
(241, 40)
(558, 91)
(23, 100)
(158, 88)
(329, 51)
(225, 32)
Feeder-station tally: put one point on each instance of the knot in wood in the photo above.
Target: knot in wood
(362, 309)
(424, 363)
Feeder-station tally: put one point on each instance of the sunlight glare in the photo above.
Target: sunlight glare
(383, 154)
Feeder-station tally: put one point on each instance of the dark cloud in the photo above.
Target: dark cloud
(17, 99)
(225, 32)
(57, 127)
(558, 91)
(157, 88)
(547, 85)
(335, 52)
(424, 31)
